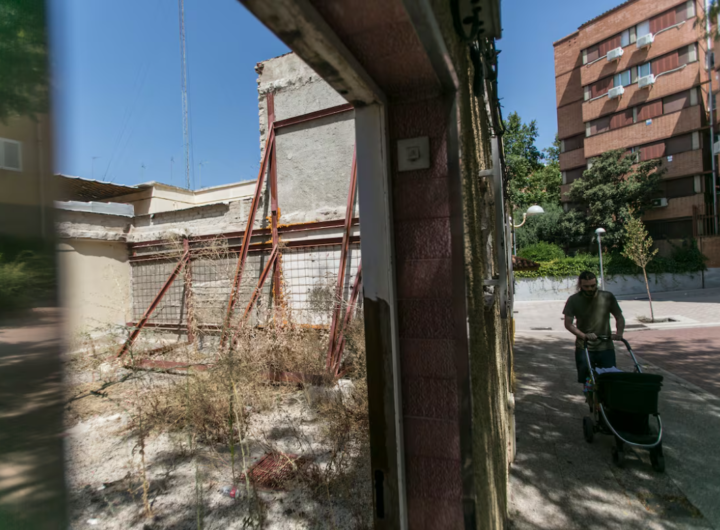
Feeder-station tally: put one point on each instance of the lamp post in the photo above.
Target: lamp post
(533, 210)
(599, 232)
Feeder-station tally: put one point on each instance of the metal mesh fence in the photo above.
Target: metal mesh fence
(309, 278)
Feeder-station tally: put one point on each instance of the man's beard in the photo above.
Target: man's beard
(588, 294)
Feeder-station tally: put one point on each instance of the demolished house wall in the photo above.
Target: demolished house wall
(314, 161)
(314, 158)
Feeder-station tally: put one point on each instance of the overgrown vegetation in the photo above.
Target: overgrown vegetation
(243, 403)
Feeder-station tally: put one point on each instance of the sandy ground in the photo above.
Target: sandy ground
(105, 484)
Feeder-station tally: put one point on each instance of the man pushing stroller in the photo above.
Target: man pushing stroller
(591, 308)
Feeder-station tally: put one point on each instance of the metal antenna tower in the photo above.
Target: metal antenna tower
(186, 129)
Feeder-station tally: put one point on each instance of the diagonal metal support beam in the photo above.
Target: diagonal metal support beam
(153, 306)
(253, 298)
(343, 261)
(234, 293)
(349, 314)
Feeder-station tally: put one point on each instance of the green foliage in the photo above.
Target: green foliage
(542, 251)
(610, 193)
(23, 56)
(684, 259)
(26, 277)
(638, 243)
(554, 226)
(534, 175)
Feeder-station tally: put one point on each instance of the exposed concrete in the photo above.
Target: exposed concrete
(124, 210)
(91, 225)
(314, 159)
(712, 278)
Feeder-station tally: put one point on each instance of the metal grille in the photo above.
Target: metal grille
(309, 281)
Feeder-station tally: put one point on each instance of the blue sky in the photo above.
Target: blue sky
(118, 98)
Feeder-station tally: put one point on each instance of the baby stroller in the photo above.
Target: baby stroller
(621, 404)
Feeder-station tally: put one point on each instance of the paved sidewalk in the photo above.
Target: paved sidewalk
(559, 481)
(695, 309)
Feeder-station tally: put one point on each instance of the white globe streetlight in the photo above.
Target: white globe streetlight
(599, 232)
(532, 211)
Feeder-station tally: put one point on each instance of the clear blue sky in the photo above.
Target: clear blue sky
(117, 77)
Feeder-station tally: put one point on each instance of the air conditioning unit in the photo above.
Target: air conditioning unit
(612, 55)
(645, 40)
(646, 81)
(616, 92)
(659, 203)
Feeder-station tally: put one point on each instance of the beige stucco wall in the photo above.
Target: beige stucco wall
(94, 284)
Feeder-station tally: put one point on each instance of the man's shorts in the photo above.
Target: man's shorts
(602, 359)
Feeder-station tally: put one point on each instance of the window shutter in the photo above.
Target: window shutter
(676, 102)
(621, 119)
(679, 144)
(652, 151)
(662, 21)
(650, 110)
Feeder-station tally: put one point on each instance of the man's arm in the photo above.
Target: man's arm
(619, 324)
(575, 331)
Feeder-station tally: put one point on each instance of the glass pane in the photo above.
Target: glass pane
(643, 70)
(624, 38)
(622, 79)
(643, 28)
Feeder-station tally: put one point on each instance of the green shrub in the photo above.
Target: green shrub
(26, 279)
(685, 259)
(542, 251)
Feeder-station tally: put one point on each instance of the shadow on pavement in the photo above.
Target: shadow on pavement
(559, 481)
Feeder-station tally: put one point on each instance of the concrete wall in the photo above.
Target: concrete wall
(534, 289)
(314, 159)
(94, 284)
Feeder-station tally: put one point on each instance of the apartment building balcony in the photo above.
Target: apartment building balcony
(665, 42)
(684, 164)
(678, 207)
(661, 127)
(692, 75)
(572, 159)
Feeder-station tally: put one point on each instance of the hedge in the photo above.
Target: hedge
(685, 259)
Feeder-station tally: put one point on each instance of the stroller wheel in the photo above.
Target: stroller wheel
(657, 459)
(618, 456)
(588, 429)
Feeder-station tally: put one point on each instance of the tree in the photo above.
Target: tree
(638, 245)
(611, 191)
(522, 159)
(535, 176)
(23, 58)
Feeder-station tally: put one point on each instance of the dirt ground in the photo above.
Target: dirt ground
(180, 484)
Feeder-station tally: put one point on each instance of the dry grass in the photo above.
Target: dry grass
(214, 409)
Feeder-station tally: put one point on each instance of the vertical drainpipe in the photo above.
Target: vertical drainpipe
(710, 109)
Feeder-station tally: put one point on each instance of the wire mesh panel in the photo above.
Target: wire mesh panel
(309, 282)
(147, 280)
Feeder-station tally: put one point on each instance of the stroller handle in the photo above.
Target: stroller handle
(638, 369)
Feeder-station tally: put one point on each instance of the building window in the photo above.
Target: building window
(10, 155)
(572, 143)
(622, 79)
(625, 38)
(644, 70)
(678, 101)
(642, 29)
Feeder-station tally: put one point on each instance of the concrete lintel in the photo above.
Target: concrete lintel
(298, 24)
(106, 208)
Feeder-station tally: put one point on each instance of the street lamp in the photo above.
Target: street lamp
(599, 232)
(533, 210)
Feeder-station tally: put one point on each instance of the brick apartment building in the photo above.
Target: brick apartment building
(636, 78)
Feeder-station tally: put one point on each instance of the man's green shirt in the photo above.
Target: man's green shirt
(593, 316)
